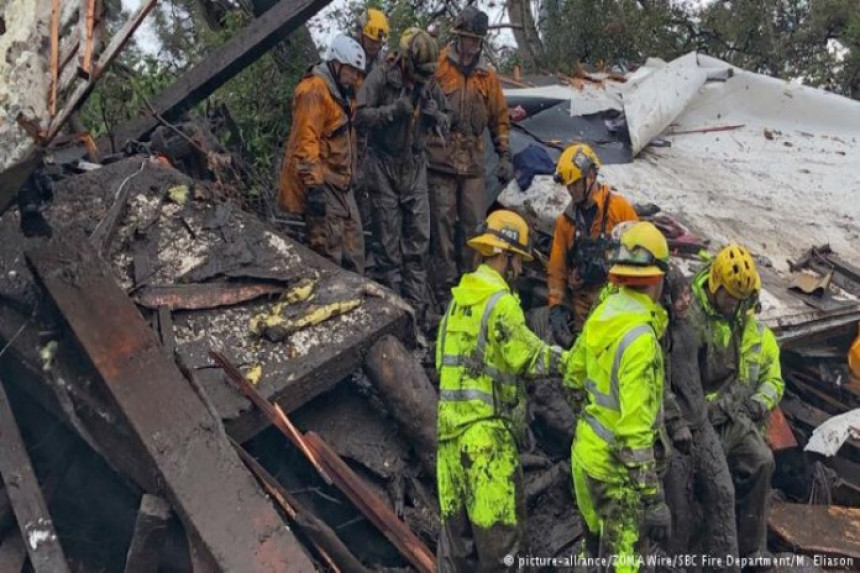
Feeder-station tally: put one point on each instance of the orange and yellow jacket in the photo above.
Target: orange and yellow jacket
(618, 211)
(476, 102)
(321, 149)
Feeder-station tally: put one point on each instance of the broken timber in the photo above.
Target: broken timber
(150, 529)
(203, 296)
(173, 425)
(25, 495)
(222, 64)
(832, 531)
(328, 463)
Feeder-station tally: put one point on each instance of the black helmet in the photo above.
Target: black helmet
(472, 22)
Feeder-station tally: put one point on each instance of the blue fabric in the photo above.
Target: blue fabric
(531, 161)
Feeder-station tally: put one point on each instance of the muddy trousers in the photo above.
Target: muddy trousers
(701, 496)
(751, 464)
(611, 515)
(337, 235)
(457, 207)
(401, 221)
(482, 500)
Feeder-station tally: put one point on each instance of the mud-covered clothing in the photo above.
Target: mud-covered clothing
(390, 132)
(580, 243)
(475, 99)
(482, 497)
(739, 363)
(457, 208)
(458, 202)
(321, 154)
(484, 351)
(698, 487)
(618, 361)
(321, 148)
(394, 175)
(397, 189)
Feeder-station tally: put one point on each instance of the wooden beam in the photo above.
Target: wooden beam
(825, 531)
(150, 529)
(116, 45)
(31, 510)
(221, 65)
(358, 492)
(203, 478)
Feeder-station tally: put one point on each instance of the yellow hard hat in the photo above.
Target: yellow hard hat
(374, 25)
(420, 49)
(642, 252)
(734, 270)
(574, 163)
(502, 231)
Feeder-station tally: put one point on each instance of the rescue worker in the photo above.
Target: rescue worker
(397, 105)
(372, 32)
(483, 353)
(742, 379)
(698, 484)
(580, 242)
(618, 362)
(456, 164)
(320, 159)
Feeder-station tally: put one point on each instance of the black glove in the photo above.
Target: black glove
(430, 107)
(756, 410)
(657, 521)
(682, 439)
(505, 170)
(559, 320)
(316, 202)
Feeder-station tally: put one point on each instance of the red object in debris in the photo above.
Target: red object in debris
(779, 435)
(518, 113)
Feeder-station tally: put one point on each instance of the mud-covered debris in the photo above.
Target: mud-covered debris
(276, 328)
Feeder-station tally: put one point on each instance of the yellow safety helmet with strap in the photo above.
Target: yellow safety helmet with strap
(574, 163)
(734, 269)
(642, 252)
(374, 25)
(502, 231)
(420, 51)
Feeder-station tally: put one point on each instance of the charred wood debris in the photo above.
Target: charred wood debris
(186, 387)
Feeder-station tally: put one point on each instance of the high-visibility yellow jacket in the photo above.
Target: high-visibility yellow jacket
(483, 352)
(754, 362)
(618, 361)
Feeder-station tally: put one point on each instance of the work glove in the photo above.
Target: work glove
(717, 412)
(430, 107)
(657, 521)
(756, 410)
(682, 439)
(559, 320)
(403, 106)
(505, 170)
(316, 202)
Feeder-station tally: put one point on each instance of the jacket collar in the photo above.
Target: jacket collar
(599, 199)
(659, 317)
(450, 53)
(323, 71)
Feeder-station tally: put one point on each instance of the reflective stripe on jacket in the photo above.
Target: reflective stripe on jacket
(757, 365)
(483, 351)
(619, 362)
(321, 147)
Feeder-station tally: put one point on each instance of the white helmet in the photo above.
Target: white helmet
(346, 50)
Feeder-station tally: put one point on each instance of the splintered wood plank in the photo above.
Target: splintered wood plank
(204, 480)
(222, 63)
(25, 495)
(822, 530)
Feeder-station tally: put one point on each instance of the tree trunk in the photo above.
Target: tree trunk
(529, 45)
